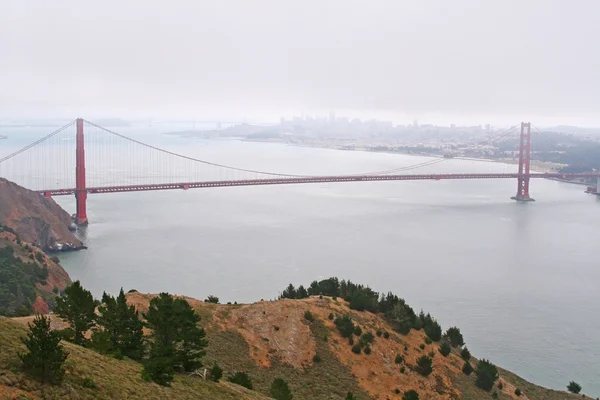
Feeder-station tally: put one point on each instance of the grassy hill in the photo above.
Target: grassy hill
(275, 339)
(114, 379)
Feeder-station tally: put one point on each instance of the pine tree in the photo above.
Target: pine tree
(77, 307)
(289, 292)
(301, 293)
(280, 390)
(158, 367)
(216, 372)
(456, 338)
(177, 340)
(45, 356)
(122, 326)
(487, 374)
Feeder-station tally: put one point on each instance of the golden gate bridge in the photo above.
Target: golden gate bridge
(123, 164)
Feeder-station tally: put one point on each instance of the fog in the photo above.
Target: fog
(436, 60)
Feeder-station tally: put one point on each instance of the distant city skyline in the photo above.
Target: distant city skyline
(495, 121)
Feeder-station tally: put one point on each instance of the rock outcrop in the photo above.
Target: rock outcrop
(35, 218)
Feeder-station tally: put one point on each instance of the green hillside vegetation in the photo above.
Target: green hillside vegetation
(90, 375)
(372, 346)
(18, 278)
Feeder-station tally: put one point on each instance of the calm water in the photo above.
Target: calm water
(520, 280)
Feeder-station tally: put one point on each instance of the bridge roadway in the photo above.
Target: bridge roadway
(308, 179)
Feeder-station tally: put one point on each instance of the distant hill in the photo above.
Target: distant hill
(35, 218)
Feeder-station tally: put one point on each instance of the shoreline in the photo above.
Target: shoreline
(538, 167)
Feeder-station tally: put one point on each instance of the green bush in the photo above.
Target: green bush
(308, 316)
(367, 338)
(351, 340)
(350, 396)
(356, 349)
(517, 391)
(367, 349)
(467, 368)
(242, 379)
(89, 383)
(386, 335)
(410, 395)
(212, 299)
(422, 346)
(330, 316)
(432, 328)
(418, 324)
(280, 390)
(276, 327)
(424, 365)
(216, 373)
(357, 330)
(344, 325)
(316, 358)
(445, 349)
(455, 337)
(574, 387)
(379, 333)
(465, 354)
(397, 391)
(432, 354)
(398, 359)
(428, 340)
(55, 259)
(402, 369)
(500, 385)
(487, 374)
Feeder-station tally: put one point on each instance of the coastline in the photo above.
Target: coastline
(542, 167)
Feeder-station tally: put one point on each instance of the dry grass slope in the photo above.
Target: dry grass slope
(272, 339)
(115, 379)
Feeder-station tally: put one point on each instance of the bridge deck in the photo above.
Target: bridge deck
(308, 179)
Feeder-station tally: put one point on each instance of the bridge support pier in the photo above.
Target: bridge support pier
(80, 188)
(524, 164)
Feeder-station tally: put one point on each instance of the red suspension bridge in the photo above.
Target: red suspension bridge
(122, 164)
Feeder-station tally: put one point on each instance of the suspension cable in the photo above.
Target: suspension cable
(37, 142)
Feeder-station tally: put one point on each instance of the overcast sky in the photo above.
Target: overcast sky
(439, 59)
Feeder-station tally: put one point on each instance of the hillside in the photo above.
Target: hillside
(35, 218)
(29, 278)
(114, 379)
(276, 339)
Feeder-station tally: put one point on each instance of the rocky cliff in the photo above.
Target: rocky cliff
(35, 218)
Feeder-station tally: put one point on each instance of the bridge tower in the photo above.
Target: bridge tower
(524, 163)
(80, 188)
